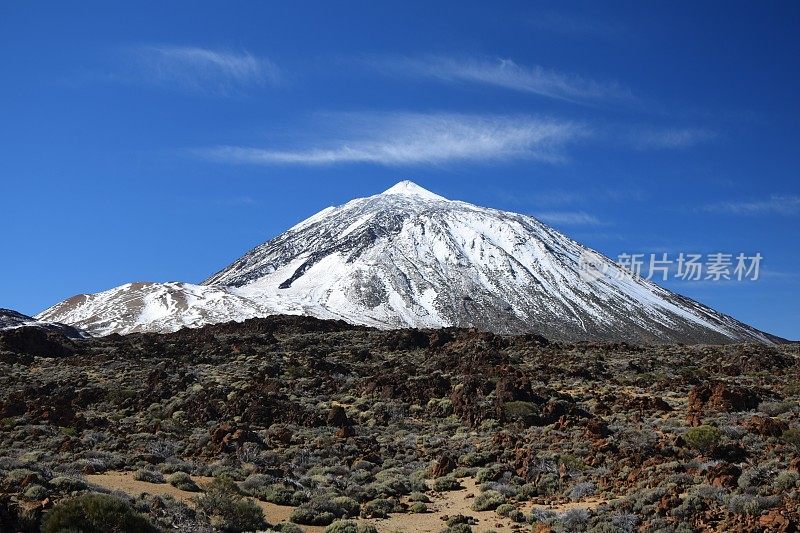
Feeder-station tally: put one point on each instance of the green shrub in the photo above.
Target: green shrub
(505, 509)
(68, 483)
(487, 501)
(703, 438)
(36, 492)
(182, 480)
(281, 495)
(311, 517)
(786, 480)
(324, 509)
(227, 509)
(776, 408)
(150, 476)
(378, 508)
(460, 519)
(792, 438)
(95, 513)
(446, 483)
(418, 497)
(348, 526)
(523, 412)
(472, 459)
(418, 507)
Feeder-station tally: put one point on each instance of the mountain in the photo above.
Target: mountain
(10, 319)
(410, 258)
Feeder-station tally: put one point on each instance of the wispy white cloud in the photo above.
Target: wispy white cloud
(786, 205)
(569, 218)
(411, 138)
(507, 74)
(669, 138)
(199, 69)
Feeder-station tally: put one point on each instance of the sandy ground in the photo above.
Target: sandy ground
(443, 504)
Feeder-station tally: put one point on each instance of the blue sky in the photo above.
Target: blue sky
(161, 140)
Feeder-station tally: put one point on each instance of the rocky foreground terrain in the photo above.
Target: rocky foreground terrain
(291, 424)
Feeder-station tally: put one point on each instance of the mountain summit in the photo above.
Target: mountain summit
(410, 258)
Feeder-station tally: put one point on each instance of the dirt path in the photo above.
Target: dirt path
(442, 504)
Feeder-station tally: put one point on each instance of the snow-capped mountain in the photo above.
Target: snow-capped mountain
(10, 319)
(410, 258)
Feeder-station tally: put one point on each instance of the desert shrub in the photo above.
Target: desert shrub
(378, 508)
(487, 501)
(490, 473)
(505, 509)
(751, 505)
(17, 475)
(68, 483)
(627, 522)
(608, 527)
(255, 484)
(756, 476)
(150, 476)
(703, 438)
(506, 489)
(281, 495)
(288, 527)
(35, 492)
(310, 517)
(95, 513)
(460, 519)
(776, 408)
(227, 509)
(348, 526)
(418, 497)
(575, 520)
(463, 471)
(792, 438)
(581, 490)
(237, 474)
(459, 528)
(446, 483)
(523, 412)
(418, 507)
(473, 459)
(182, 481)
(347, 506)
(786, 480)
(223, 484)
(230, 512)
(324, 509)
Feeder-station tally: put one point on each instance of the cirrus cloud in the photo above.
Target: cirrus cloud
(415, 138)
(502, 72)
(197, 69)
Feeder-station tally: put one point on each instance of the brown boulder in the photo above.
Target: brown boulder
(337, 417)
(719, 396)
(766, 426)
(443, 466)
(775, 521)
(723, 475)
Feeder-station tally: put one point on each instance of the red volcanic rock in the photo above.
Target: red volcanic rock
(719, 396)
(723, 475)
(775, 521)
(443, 466)
(766, 426)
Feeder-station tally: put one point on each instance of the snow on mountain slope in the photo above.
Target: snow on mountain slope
(159, 307)
(10, 319)
(408, 257)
